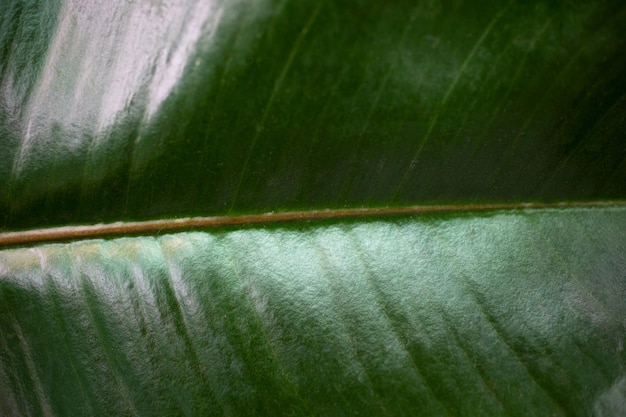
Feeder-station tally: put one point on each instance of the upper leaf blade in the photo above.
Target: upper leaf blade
(144, 110)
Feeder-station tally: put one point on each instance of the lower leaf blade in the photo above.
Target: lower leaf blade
(502, 313)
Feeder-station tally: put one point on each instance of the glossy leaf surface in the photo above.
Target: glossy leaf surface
(130, 110)
(140, 109)
(505, 313)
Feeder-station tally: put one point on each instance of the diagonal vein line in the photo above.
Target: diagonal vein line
(447, 95)
(521, 67)
(345, 323)
(35, 389)
(501, 333)
(9, 390)
(270, 101)
(383, 85)
(58, 316)
(65, 233)
(31, 367)
(278, 364)
(567, 266)
(215, 106)
(180, 324)
(381, 89)
(548, 92)
(379, 297)
(120, 379)
(470, 355)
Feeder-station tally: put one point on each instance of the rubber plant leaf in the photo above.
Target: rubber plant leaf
(398, 208)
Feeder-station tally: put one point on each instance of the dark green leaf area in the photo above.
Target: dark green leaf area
(501, 314)
(300, 104)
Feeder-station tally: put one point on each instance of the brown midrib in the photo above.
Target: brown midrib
(65, 233)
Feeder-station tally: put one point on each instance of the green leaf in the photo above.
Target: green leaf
(506, 313)
(126, 111)
(174, 108)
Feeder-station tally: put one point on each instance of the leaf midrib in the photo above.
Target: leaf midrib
(134, 228)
